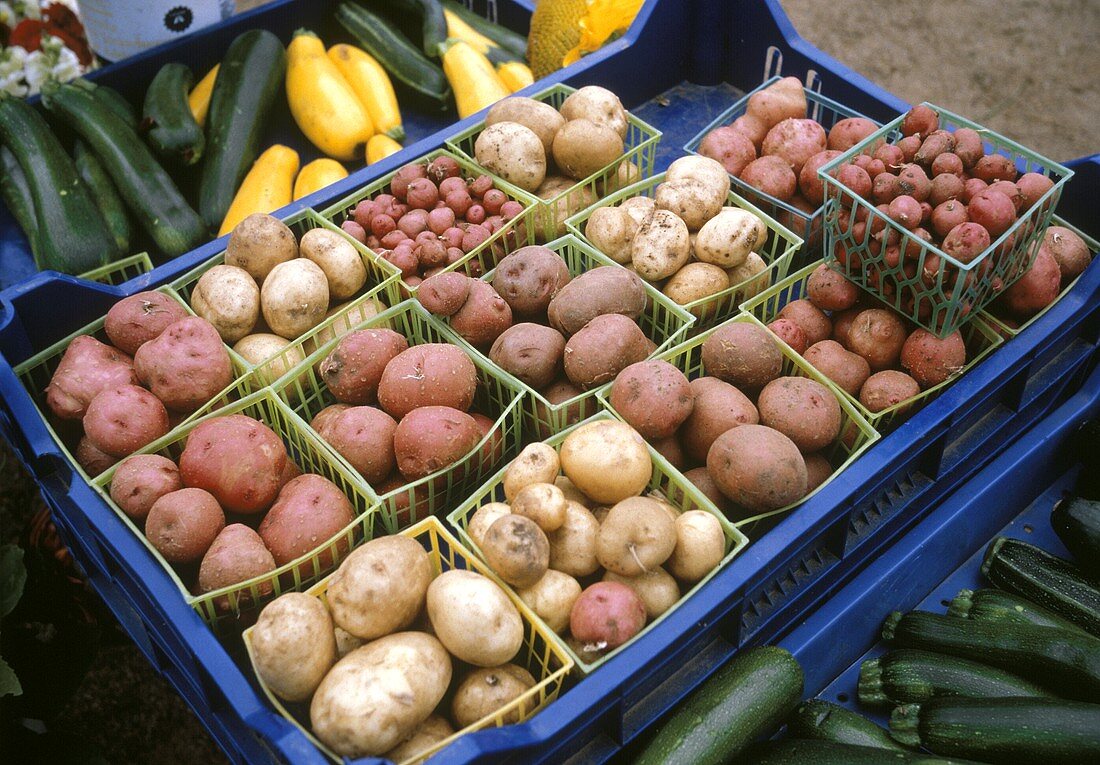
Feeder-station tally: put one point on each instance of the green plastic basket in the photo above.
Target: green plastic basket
(1004, 325)
(666, 482)
(778, 252)
(943, 303)
(639, 147)
(380, 290)
(122, 270)
(663, 322)
(856, 434)
(497, 397)
(541, 653)
(35, 374)
(516, 233)
(228, 608)
(826, 112)
(980, 339)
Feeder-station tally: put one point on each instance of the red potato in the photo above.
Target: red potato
(353, 369)
(791, 334)
(290, 472)
(530, 352)
(700, 478)
(890, 156)
(607, 614)
(237, 459)
(771, 175)
(884, 188)
(183, 524)
(968, 146)
(849, 131)
(808, 182)
(803, 410)
(529, 278)
(186, 365)
(784, 99)
(309, 511)
(363, 436)
(1032, 186)
(653, 397)
(752, 128)
(141, 480)
(1069, 250)
(742, 354)
(602, 348)
(729, 146)
(842, 323)
(813, 321)
(966, 241)
(1036, 289)
(931, 360)
(757, 467)
(909, 147)
(848, 370)
(492, 451)
(947, 215)
(912, 180)
(121, 420)
(140, 318)
(886, 389)
(324, 418)
(86, 368)
(906, 211)
(856, 179)
(994, 167)
(558, 393)
(818, 470)
(934, 144)
(432, 374)
(717, 406)
(947, 163)
(672, 450)
(93, 460)
(993, 211)
(431, 438)
(921, 120)
(830, 290)
(483, 317)
(971, 188)
(237, 555)
(795, 140)
(443, 294)
(878, 336)
(1010, 190)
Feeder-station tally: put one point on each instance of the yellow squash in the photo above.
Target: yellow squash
(316, 175)
(458, 28)
(372, 86)
(322, 102)
(515, 75)
(381, 146)
(199, 99)
(266, 188)
(475, 83)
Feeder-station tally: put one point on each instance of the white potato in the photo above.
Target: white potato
(294, 297)
(293, 645)
(696, 281)
(338, 258)
(571, 492)
(639, 208)
(657, 589)
(692, 200)
(660, 248)
(637, 536)
(474, 618)
(259, 243)
(566, 205)
(607, 460)
(597, 105)
(543, 503)
(485, 690)
(380, 587)
(425, 736)
(700, 546)
(583, 148)
(708, 171)
(346, 642)
(513, 152)
(573, 544)
(743, 275)
(537, 463)
(552, 598)
(540, 117)
(376, 696)
(611, 230)
(259, 348)
(483, 518)
(727, 239)
(228, 298)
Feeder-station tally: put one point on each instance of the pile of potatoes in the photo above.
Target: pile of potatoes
(864, 348)
(161, 365)
(751, 439)
(402, 413)
(593, 555)
(394, 658)
(685, 240)
(1060, 258)
(236, 506)
(940, 187)
(272, 289)
(432, 218)
(546, 151)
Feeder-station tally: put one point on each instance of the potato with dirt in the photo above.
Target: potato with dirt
(802, 409)
(430, 438)
(87, 367)
(431, 374)
(759, 468)
(532, 353)
(183, 524)
(573, 544)
(537, 463)
(543, 503)
(742, 354)
(486, 690)
(717, 407)
(598, 105)
(259, 243)
(603, 290)
(294, 298)
(380, 588)
(886, 389)
(602, 348)
(529, 278)
(517, 550)
(1035, 290)
(122, 420)
(810, 318)
(539, 117)
(488, 632)
(729, 146)
(726, 239)
(794, 141)
(848, 370)
(293, 645)
(552, 598)
(483, 317)
(228, 298)
(513, 152)
(140, 318)
(654, 397)
(877, 335)
(142, 479)
(660, 247)
(237, 459)
(236, 555)
(353, 369)
(784, 99)
(1068, 249)
(186, 365)
(931, 360)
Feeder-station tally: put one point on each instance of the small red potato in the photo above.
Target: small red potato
(236, 555)
(947, 215)
(886, 389)
(742, 354)
(909, 147)
(968, 146)
(92, 460)
(729, 146)
(140, 318)
(141, 480)
(905, 211)
(992, 210)
(432, 374)
(654, 398)
(700, 478)
(848, 370)
(813, 321)
(994, 167)
(183, 524)
(86, 368)
(971, 188)
(751, 127)
(849, 131)
(921, 120)
(945, 186)
(186, 365)
(1032, 292)
(842, 323)
(1032, 186)
(757, 467)
(935, 143)
(931, 360)
(803, 410)
(830, 290)
(353, 369)
(237, 459)
(878, 336)
(1069, 250)
(606, 289)
(122, 420)
(856, 179)
(1010, 190)
(884, 188)
(912, 180)
(947, 163)
(791, 334)
(966, 241)
(483, 317)
(324, 418)
(363, 436)
(607, 614)
(795, 140)
(430, 438)
(808, 182)
(771, 175)
(718, 406)
(310, 511)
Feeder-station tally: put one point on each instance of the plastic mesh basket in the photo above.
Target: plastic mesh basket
(516, 233)
(122, 270)
(979, 337)
(935, 290)
(778, 252)
(229, 607)
(541, 653)
(666, 482)
(639, 148)
(1007, 327)
(35, 374)
(663, 322)
(807, 225)
(498, 397)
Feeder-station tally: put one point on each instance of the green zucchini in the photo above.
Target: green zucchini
(990, 604)
(1045, 579)
(166, 118)
(104, 193)
(72, 235)
(394, 52)
(148, 190)
(501, 35)
(16, 193)
(1076, 521)
(433, 24)
(114, 101)
(908, 676)
(819, 719)
(1047, 731)
(1068, 663)
(810, 752)
(746, 698)
(249, 80)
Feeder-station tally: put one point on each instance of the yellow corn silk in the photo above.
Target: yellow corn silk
(605, 20)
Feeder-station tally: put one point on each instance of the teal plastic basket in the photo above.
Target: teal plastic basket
(942, 302)
(120, 271)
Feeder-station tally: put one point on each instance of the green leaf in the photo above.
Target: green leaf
(9, 683)
(13, 575)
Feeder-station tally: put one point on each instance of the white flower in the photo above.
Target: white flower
(7, 15)
(11, 70)
(67, 66)
(37, 70)
(28, 9)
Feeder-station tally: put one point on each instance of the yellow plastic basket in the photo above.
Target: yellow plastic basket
(778, 251)
(119, 271)
(666, 482)
(231, 606)
(639, 148)
(541, 654)
(980, 339)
